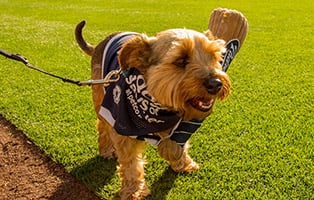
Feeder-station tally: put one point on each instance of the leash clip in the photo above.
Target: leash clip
(20, 58)
(112, 77)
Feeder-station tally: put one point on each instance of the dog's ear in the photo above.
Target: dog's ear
(136, 53)
(216, 47)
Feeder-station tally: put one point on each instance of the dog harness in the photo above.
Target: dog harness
(129, 108)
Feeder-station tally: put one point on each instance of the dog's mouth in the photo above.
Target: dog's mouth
(202, 104)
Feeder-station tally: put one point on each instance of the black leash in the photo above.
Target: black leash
(113, 77)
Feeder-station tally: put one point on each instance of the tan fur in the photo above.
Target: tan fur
(176, 64)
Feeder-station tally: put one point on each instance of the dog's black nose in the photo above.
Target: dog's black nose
(213, 85)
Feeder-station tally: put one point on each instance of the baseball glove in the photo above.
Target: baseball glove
(231, 26)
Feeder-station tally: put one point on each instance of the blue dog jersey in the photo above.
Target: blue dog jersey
(129, 108)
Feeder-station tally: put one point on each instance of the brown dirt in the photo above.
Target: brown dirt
(27, 173)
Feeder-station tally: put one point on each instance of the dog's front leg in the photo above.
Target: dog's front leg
(131, 167)
(185, 163)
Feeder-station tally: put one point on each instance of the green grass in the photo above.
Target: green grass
(259, 144)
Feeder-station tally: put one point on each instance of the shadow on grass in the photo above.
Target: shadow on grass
(96, 173)
(161, 187)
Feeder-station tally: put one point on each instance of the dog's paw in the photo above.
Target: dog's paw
(141, 193)
(185, 164)
(191, 167)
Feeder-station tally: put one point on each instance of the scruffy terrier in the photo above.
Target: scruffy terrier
(168, 84)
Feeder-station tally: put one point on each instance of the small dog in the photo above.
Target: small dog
(167, 86)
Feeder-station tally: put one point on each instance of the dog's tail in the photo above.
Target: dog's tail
(85, 46)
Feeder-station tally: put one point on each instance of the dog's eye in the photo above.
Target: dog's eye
(181, 62)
